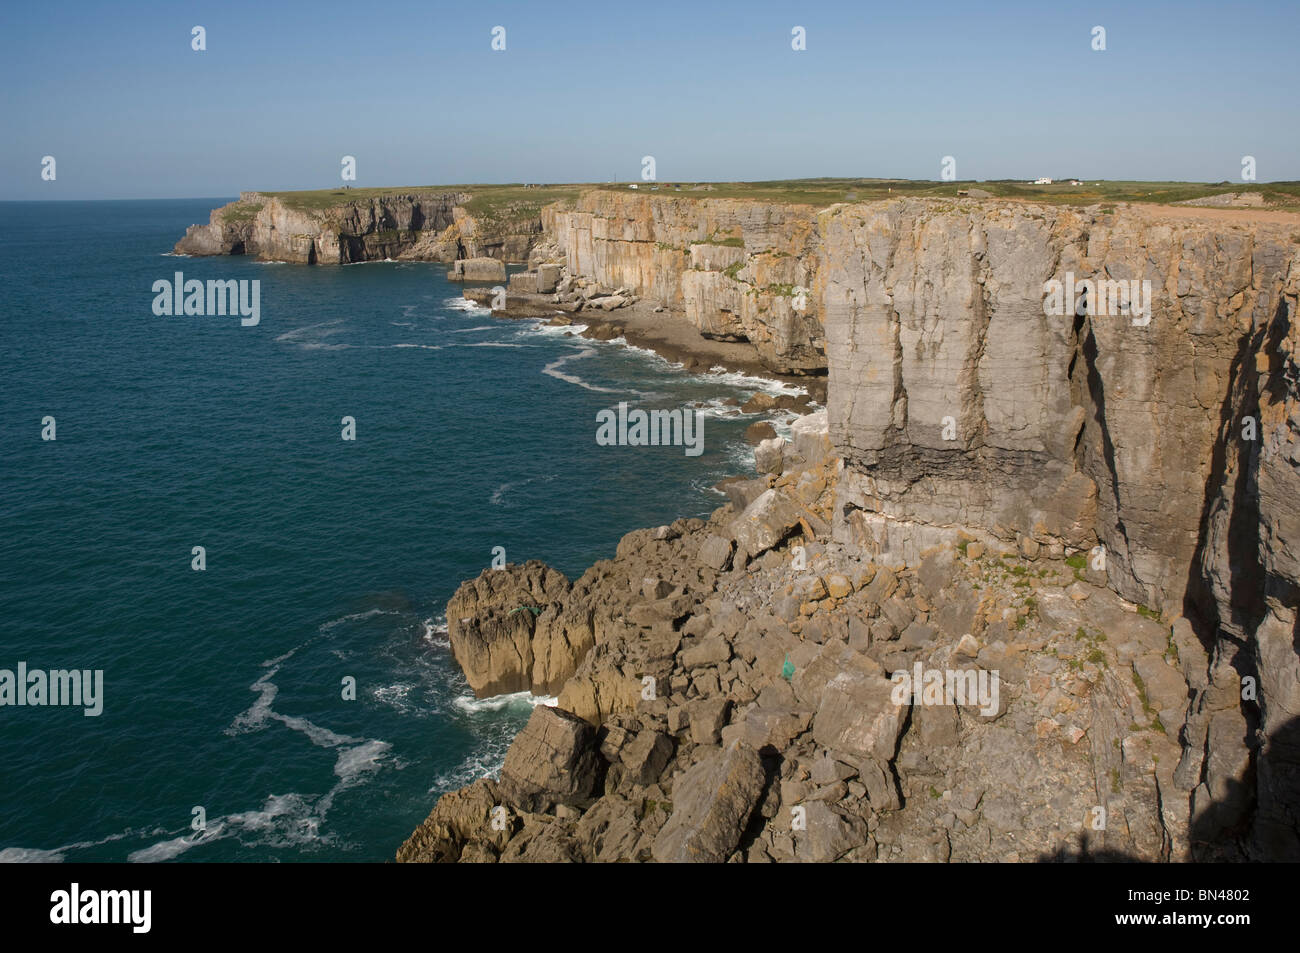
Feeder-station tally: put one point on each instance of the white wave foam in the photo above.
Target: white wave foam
(485, 764)
(485, 327)
(464, 304)
(740, 457)
(34, 855)
(315, 343)
(20, 855)
(555, 330)
(720, 375)
(493, 344)
(471, 705)
(352, 617)
(171, 849)
(362, 759)
(434, 631)
(396, 697)
(553, 370)
(718, 408)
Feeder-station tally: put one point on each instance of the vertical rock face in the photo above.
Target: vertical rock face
(1175, 444)
(738, 269)
(957, 402)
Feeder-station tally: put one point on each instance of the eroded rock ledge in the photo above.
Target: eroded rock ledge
(682, 734)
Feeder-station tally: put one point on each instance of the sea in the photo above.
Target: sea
(264, 598)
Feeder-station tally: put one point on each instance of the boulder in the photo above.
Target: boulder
(552, 761)
(645, 757)
(758, 403)
(765, 523)
(477, 269)
(810, 437)
(707, 716)
(523, 282)
(858, 718)
(768, 728)
(712, 804)
(715, 553)
(548, 277)
(740, 491)
(768, 454)
(602, 331)
(829, 834)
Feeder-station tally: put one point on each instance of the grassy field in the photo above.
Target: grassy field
(823, 192)
(514, 202)
(484, 197)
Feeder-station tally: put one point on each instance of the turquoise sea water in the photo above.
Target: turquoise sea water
(325, 558)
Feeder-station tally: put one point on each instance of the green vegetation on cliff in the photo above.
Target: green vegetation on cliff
(824, 192)
(241, 212)
(515, 202)
(487, 203)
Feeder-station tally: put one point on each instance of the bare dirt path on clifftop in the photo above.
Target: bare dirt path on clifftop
(1229, 216)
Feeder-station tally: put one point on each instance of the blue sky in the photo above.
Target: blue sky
(585, 89)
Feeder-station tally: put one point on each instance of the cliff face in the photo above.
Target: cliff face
(737, 269)
(419, 226)
(1164, 444)
(1172, 443)
(1168, 436)
(1066, 431)
(954, 400)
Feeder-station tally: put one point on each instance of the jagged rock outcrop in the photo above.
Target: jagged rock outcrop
(504, 635)
(747, 708)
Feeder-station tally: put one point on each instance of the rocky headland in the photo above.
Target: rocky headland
(1099, 510)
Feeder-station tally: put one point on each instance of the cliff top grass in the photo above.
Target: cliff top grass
(484, 198)
(241, 212)
(515, 201)
(824, 192)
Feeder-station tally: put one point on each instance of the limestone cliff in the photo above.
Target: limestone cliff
(1163, 441)
(423, 226)
(1172, 443)
(1162, 445)
(737, 269)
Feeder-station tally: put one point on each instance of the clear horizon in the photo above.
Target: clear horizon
(416, 93)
